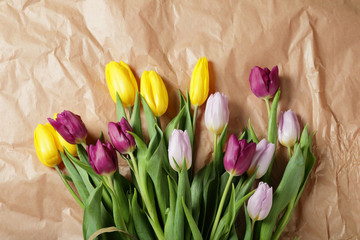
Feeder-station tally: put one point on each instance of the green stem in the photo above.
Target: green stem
(267, 106)
(84, 145)
(221, 205)
(145, 196)
(110, 182)
(252, 229)
(194, 118)
(69, 188)
(158, 122)
(130, 112)
(215, 143)
(289, 151)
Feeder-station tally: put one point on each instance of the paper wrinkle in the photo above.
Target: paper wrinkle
(53, 55)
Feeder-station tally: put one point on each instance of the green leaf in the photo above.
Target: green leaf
(233, 234)
(219, 154)
(96, 217)
(193, 226)
(197, 193)
(248, 231)
(272, 131)
(185, 122)
(120, 111)
(169, 224)
(75, 176)
(156, 168)
(150, 118)
(142, 226)
(211, 199)
(252, 133)
(183, 191)
(135, 120)
(121, 196)
(83, 173)
(305, 144)
(287, 189)
(173, 124)
(272, 127)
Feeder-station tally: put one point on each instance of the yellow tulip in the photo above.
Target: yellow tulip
(63, 143)
(47, 145)
(153, 89)
(199, 84)
(120, 79)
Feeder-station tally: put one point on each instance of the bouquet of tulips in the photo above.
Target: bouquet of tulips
(164, 199)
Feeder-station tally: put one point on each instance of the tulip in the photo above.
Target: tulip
(289, 128)
(264, 83)
(216, 112)
(199, 84)
(72, 149)
(262, 158)
(179, 148)
(121, 80)
(102, 158)
(70, 127)
(120, 137)
(47, 145)
(238, 156)
(153, 89)
(260, 202)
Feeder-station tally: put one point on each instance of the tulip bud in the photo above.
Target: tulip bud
(199, 84)
(122, 140)
(102, 158)
(72, 149)
(264, 83)
(121, 80)
(260, 202)
(289, 128)
(238, 155)
(70, 127)
(216, 112)
(179, 148)
(153, 89)
(47, 145)
(262, 158)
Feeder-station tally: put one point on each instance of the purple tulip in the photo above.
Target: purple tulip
(238, 155)
(262, 158)
(102, 158)
(179, 148)
(289, 128)
(264, 83)
(70, 127)
(260, 202)
(216, 112)
(120, 137)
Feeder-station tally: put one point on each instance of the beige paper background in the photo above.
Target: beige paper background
(53, 55)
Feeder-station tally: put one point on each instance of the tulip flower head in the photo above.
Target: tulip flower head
(199, 84)
(179, 149)
(121, 80)
(71, 148)
(289, 128)
(261, 160)
(47, 145)
(102, 158)
(263, 82)
(238, 155)
(153, 89)
(120, 137)
(70, 127)
(259, 204)
(216, 112)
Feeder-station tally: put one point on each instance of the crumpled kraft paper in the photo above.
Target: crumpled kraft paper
(53, 55)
